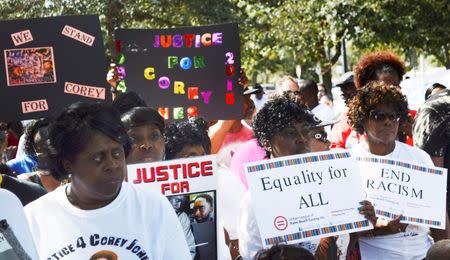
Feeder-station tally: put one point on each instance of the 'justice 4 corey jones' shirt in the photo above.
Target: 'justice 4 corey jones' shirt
(138, 224)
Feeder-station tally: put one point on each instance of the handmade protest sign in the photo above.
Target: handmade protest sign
(309, 197)
(48, 63)
(184, 72)
(416, 192)
(190, 185)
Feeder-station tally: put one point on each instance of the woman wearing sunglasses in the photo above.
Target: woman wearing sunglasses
(376, 111)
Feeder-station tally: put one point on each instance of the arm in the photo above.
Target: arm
(439, 234)
(112, 78)
(218, 132)
(248, 232)
(438, 161)
(368, 211)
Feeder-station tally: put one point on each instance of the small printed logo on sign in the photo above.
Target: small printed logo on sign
(22, 37)
(280, 223)
(34, 106)
(85, 91)
(78, 35)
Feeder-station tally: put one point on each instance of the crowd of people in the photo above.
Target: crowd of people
(64, 192)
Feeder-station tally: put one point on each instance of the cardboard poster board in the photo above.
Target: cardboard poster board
(398, 187)
(184, 72)
(191, 187)
(48, 63)
(307, 195)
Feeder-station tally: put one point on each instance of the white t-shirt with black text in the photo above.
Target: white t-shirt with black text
(138, 224)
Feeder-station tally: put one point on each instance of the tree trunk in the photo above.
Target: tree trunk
(325, 74)
(446, 58)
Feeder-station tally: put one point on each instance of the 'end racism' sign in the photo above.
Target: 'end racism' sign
(416, 192)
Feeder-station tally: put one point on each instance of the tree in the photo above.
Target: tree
(298, 32)
(409, 24)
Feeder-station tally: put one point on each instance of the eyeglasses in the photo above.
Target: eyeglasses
(320, 136)
(380, 116)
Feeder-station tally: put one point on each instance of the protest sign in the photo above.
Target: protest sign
(416, 192)
(48, 63)
(310, 196)
(190, 185)
(184, 72)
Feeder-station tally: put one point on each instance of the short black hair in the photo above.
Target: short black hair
(278, 114)
(310, 86)
(4, 169)
(126, 101)
(139, 116)
(73, 128)
(281, 252)
(32, 129)
(191, 132)
(207, 197)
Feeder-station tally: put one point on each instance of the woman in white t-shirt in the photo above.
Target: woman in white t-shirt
(97, 211)
(376, 111)
(282, 127)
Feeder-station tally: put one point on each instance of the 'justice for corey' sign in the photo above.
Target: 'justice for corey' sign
(184, 72)
(313, 189)
(190, 185)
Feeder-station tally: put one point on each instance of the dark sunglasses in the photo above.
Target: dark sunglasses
(381, 116)
(320, 136)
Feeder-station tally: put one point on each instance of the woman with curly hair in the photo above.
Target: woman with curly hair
(384, 66)
(187, 139)
(376, 111)
(282, 127)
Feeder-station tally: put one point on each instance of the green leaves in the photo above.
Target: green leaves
(275, 35)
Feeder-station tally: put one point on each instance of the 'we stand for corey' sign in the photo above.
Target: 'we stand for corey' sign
(49, 63)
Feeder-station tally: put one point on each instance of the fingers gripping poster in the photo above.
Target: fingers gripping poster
(190, 186)
(184, 72)
(48, 63)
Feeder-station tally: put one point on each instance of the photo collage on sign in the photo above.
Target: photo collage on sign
(197, 215)
(30, 66)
